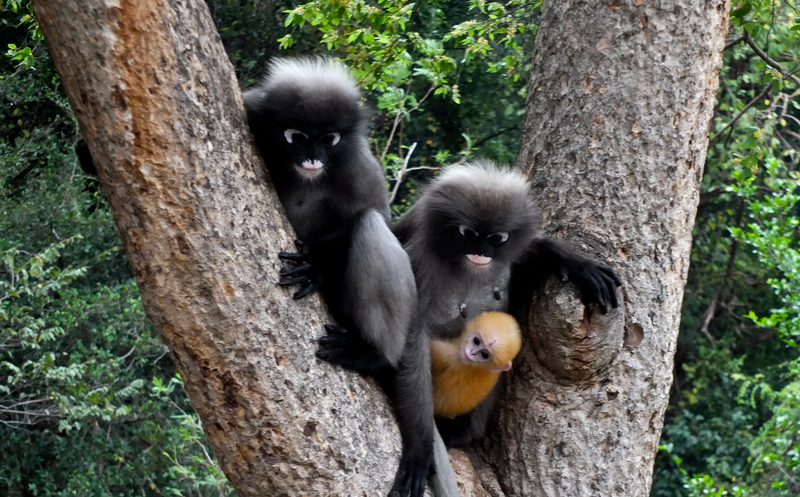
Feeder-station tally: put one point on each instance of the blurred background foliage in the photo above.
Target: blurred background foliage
(90, 404)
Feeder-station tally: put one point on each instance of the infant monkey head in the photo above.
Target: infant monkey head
(491, 341)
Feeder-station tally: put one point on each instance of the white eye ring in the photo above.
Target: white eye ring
(289, 132)
(463, 229)
(503, 236)
(335, 137)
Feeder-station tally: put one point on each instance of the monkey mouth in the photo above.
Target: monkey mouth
(480, 261)
(309, 169)
(466, 355)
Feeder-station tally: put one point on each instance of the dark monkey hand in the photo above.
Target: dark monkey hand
(303, 273)
(412, 474)
(598, 283)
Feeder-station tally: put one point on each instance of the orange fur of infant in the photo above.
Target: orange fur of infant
(460, 385)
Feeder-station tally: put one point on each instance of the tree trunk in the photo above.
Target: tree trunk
(159, 105)
(620, 101)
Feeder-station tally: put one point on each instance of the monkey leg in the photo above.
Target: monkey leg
(379, 294)
(348, 350)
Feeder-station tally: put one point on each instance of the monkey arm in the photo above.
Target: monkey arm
(319, 265)
(546, 257)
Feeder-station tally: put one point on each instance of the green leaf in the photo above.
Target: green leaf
(743, 10)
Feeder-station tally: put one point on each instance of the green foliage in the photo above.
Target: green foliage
(22, 13)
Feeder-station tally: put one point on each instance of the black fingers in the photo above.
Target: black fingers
(303, 269)
(297, 280)
(598, 284)
(301, 246)
(306, 290)
(611, 274)
(334, 346)
(412, 476)
(302, 254)
(343, 348)
(302, 274)
(308, 285)
(335, 329)
(292, 256)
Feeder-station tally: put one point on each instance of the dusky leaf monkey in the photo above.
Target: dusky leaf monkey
(310, 126)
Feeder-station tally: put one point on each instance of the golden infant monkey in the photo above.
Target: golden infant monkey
(466, 368)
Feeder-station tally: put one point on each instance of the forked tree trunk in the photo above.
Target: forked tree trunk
(620, 101)
(615, 138)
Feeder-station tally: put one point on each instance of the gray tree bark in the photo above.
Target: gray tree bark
(159, 105)
(620, 102)
(615, 134)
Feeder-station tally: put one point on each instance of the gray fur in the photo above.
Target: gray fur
(443, 483)
(383, 311)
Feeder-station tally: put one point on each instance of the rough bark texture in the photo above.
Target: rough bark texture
(615, 135)
(159, 105)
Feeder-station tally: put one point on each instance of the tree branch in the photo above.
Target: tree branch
(773, 63)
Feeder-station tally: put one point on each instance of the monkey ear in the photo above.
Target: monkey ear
(504, 367)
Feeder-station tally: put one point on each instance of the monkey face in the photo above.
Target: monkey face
(476, 350)
(480, 247)
(474, 246)
(310, 152)
(477, 223)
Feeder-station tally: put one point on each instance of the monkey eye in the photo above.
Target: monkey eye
(476, 340)
(485, 355)
(294, 136)
(497, 238)
(468, 233)
(330, 139)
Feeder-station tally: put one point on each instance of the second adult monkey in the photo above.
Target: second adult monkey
(464, 234)
(309, 126)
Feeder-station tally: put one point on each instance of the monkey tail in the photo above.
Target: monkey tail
(443, 482)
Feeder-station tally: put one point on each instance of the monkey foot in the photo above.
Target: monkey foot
(302, 274)
(346, 349)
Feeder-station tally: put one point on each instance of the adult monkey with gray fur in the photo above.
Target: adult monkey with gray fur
(464, 235)
(309, 126)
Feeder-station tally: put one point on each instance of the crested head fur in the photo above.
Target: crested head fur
(311, 76)
(313, 90)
